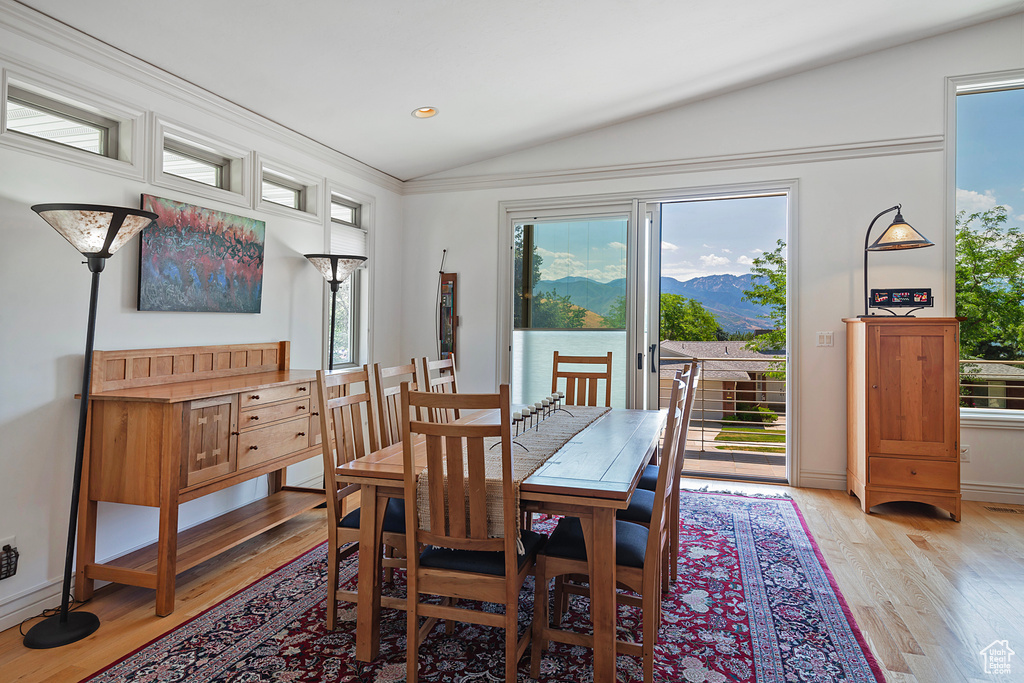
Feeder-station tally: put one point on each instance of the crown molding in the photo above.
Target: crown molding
(60, 37)
(796, 155)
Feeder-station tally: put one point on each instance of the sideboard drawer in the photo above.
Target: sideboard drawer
(259, 397)
(253, 418)
(922, 474)
(269, 443)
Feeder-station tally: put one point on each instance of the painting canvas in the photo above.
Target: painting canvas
(200, 260)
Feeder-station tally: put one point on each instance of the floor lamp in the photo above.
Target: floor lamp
(899, 235)
(335, 268)
(97, 232)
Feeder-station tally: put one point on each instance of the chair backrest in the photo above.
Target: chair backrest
(666, 469)
(388, 383)
(444, 383)
(581, 388)
(458, 510)
(690, 375)
(346, 427)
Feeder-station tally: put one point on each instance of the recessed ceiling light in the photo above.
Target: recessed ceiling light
(424, 112)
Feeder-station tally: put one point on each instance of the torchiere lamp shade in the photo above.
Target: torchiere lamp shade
(335, 267)
(92, 229)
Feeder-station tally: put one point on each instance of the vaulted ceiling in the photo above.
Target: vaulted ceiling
(504, 74)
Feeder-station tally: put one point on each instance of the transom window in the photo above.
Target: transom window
(193, 162)
(30, 113)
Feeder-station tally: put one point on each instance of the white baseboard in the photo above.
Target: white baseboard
(992, 493)
(819, 479)
(29, 603)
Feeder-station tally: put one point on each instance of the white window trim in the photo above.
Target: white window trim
(312, 209)
(240, 192)
(131, 124)
(984, 418)
(362, 343)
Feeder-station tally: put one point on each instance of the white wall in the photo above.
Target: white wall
(46, 291)
(859, 137)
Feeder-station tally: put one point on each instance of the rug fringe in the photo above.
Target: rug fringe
(736, 492)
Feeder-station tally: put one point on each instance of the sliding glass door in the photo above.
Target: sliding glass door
(570, 295)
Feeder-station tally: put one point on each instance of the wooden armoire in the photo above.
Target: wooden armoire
(903, 412)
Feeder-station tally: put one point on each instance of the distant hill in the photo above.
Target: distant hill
(721, 294)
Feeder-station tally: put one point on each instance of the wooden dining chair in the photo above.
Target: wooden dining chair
(639, 565)
(348, 432)
(461, 561)
(638, 504)
(581, 388)
(445, 382)
(388, 383)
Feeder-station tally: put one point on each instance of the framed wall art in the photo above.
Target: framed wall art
(200, 260)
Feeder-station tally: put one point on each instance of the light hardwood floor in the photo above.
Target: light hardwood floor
(927, 592)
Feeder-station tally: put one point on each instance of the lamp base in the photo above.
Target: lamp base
(52, 632)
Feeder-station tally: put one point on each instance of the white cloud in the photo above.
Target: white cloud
(757, 251)
(616, 245)
(668, 246)
(559, 264)
(727, 251)
(707, 246)
(745, 261)
(711, 261)
(974, 202)
(1019, 218)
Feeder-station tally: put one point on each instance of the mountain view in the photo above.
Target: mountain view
(720, 294)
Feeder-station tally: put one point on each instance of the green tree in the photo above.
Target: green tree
(518, 290)
(685, 319)
(556, 311)
(616, 316)
(990, 286)
(768, 288)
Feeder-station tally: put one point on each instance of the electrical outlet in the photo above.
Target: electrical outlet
(826, 339)
(965, 453)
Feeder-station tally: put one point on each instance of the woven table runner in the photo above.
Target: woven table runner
(530, 450)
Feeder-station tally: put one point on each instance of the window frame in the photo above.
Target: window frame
(968, 84)
(125, 145)
(310, 209)
(237, 163)
(361, 294)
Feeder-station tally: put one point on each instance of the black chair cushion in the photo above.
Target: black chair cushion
(567, 541)
(479, 561)
(641, 507)
(649, 479)
(394, 517)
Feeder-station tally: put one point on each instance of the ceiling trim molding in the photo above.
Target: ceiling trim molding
(60, 37)
(796, 155)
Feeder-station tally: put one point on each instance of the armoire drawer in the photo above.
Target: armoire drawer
(922, 474)
(269, 443)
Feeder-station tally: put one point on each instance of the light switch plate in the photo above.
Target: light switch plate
(826, 339)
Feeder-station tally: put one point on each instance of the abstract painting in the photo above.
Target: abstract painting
(200, 260)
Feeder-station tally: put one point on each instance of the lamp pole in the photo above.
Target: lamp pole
(334, 309)
(867, 241)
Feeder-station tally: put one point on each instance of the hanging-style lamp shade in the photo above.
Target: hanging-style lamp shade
(900, 235)
(92, 229)
(335, 267)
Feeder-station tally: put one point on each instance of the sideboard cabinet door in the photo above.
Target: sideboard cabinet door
(210, 440)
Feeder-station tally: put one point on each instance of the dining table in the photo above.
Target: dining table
(592, 477)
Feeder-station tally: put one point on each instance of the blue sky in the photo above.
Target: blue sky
(719, 237)
(990, 152)
(698, 238)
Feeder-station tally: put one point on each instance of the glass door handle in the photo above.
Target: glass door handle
(654, 364)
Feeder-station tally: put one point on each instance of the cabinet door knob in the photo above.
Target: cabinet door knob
(874, 386)
(913, 471)
(255, 397)
(301, 408)
(236, 433)
(303, 388)
(254, 417)
(315, 414)
(302, 433)
(254, 447)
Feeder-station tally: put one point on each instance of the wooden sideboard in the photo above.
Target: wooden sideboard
(903, 409)
(167, 426)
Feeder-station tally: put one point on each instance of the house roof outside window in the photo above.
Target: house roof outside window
(747, 362)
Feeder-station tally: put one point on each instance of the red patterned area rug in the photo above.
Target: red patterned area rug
(754, 603)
